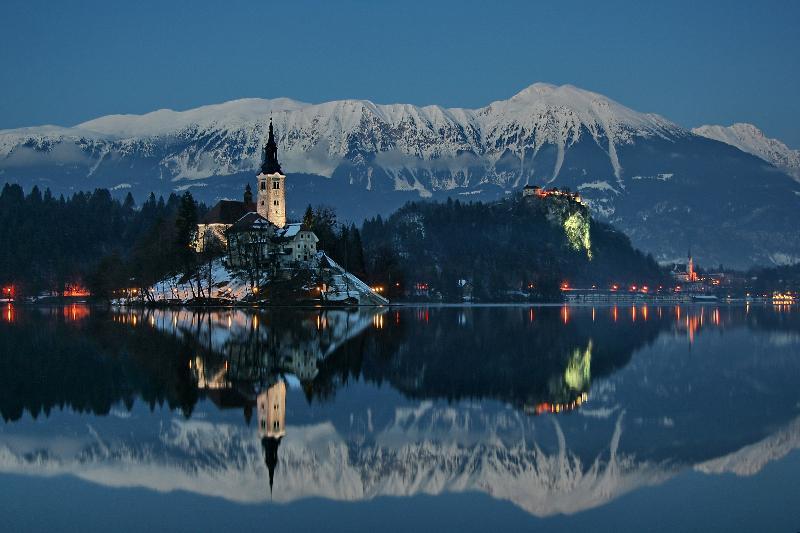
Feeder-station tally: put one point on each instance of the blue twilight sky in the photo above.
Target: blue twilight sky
(691, 61)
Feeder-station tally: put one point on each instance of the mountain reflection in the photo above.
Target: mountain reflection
(356, 404)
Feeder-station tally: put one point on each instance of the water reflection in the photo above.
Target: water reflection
(353, 405)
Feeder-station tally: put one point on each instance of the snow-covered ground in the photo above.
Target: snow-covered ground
(224, 283)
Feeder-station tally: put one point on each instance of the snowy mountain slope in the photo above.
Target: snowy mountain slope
(223, 460)
(653, 179)
(751, 459)
(426, 449)
(752, 140)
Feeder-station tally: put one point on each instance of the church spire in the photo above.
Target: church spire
(270, 446)
(271, 165)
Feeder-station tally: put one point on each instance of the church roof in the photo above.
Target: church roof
(290, 231)
(227, 212)
(680, 268)
(270, 164)
(252, 221)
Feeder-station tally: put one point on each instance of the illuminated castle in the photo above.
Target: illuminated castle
(534, 191)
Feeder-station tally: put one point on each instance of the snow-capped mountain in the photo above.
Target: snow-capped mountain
(752, 140)
(655, 180)
(437, 451)
(222, 460)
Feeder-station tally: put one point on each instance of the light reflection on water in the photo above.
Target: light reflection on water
(555, 409)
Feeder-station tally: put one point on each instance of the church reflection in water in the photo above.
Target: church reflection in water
(268, 395)
(247, 359)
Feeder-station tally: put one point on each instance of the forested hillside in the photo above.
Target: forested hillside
(514, 248)
(51, 243)
(529, 245)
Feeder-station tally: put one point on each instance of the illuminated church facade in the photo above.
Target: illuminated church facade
(257, 233)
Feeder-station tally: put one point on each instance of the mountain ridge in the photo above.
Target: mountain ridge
(749, 138)
(638, 171)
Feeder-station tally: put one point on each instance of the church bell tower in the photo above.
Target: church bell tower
(271, 185)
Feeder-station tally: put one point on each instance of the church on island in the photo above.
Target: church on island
(254, 236)
(257, 232)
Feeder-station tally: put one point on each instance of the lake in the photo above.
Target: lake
(495, 418)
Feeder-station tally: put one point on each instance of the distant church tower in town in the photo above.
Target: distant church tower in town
(271, 185)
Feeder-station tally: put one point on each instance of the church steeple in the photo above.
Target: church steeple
(271, 165)
(270, 446)
(271, 181)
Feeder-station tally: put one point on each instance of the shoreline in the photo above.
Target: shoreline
(244, 306)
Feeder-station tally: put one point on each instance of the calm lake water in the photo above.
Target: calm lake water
(404, 419)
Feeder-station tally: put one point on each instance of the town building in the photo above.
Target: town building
(531, 190)
(255, 241)
(684, 272)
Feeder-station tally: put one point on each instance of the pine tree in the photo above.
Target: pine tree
(308, 217)
(186, 226)
(129, 203)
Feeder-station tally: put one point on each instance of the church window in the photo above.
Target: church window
(276, 185)
(263, 185)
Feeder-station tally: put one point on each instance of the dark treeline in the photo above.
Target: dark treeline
(763, 280)
(536, 355)
(530, 356)
(90, 366)
(342, 242)
(90, 239)
(495, 249)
